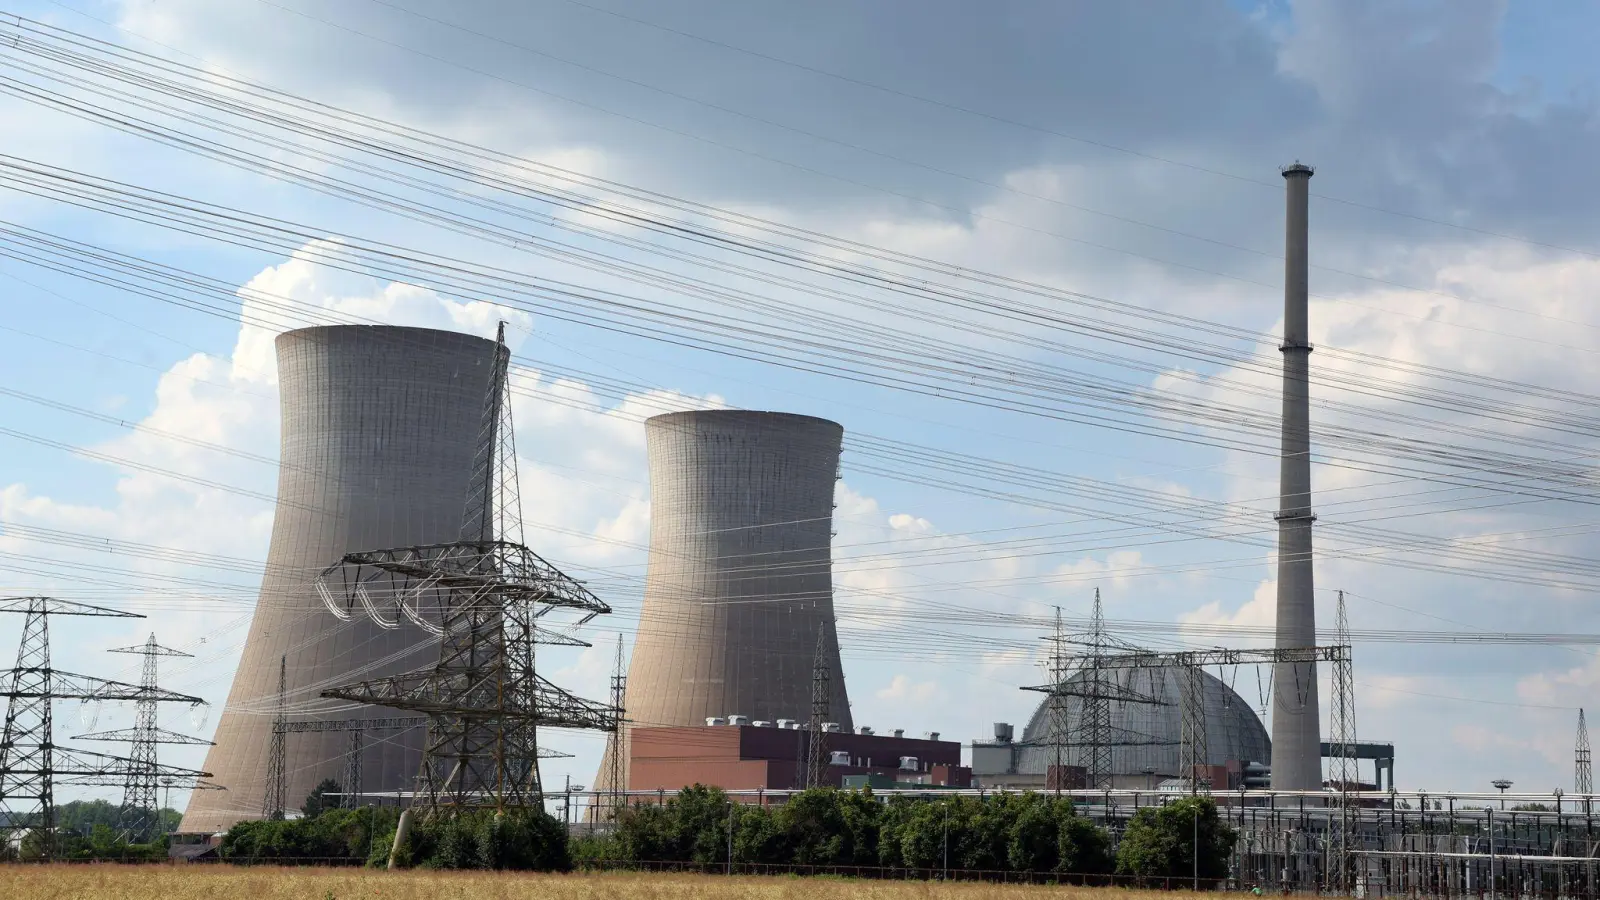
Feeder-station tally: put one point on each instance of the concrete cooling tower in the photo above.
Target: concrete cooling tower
(740, 581)
(379, 430)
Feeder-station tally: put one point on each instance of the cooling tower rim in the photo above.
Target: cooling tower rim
(740, 415)
(379, 331)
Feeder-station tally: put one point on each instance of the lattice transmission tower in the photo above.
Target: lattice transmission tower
(1344, 771)
(1582, 770)
(821, 692)
(31, 762)
(1075, 671)
(140, 815)
(484, 699)
(618, 773)
(276, 798)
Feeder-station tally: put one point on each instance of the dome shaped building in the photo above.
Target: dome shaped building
(1145, 738)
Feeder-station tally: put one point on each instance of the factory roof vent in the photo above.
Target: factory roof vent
(738, 720)
(715, 721)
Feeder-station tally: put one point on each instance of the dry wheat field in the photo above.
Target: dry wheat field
(115, 882)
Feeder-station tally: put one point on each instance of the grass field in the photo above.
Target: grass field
(115, 882)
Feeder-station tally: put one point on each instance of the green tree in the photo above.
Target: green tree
(1033, 844)
(759, 838)
(80, 816)
(814, 824)
(317, 801)
(1165, 841)
(645, 834)
(699, 817)
(1085, 848)
(336, 834)
(922, 835)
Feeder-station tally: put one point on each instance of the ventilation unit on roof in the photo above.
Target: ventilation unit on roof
(715, 721)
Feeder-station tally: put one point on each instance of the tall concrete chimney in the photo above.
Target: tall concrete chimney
(1296, 735)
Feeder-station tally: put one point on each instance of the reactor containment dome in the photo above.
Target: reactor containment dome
(1147, 737)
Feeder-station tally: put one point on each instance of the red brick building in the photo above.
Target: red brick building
(748, 757)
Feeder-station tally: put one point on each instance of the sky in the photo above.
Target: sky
(1111, 163)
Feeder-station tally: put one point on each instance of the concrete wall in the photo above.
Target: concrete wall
(740, 578)
(379, 427)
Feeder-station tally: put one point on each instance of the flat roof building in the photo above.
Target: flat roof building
(751, 758)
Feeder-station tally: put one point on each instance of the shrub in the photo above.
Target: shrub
(1163, 841)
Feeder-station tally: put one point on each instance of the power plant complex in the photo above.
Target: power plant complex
(398, 599)
(396, 687)
(383, 443)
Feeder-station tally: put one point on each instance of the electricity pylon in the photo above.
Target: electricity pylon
(140, 813)
(31, 762)
(484, 698)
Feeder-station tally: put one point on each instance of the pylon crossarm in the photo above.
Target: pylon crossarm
(434, 695)
(51, 606)
(159, 736)
(1105, 691)
(501, 571)
(387, 723)
(152, 649)
(188, 783)
(71, 686)
(1220, 656)
(70, 764)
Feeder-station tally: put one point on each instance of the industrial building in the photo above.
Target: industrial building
(379, 429)
(739, 755)
(738, 600)
(1145, 737)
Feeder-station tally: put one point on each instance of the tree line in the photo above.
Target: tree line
(89, 829)
(833, 829)
(826, 829)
